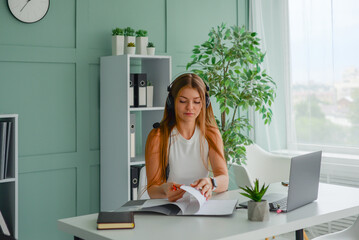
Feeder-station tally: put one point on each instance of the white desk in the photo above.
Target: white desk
(236, 226)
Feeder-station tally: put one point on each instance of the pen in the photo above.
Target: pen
(174, 188)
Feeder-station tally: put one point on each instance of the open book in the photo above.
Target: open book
(192, 203)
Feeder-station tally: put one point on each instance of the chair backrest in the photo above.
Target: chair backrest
(265, 166)
(142, 185)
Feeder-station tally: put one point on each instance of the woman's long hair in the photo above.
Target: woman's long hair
(205, 121)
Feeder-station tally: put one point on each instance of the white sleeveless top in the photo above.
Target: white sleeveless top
(186, 163)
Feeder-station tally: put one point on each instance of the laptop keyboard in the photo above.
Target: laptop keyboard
(280, 204)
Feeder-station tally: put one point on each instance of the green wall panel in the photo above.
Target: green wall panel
(43, 94)
(189, 21)
(95, 189)
(138, 14)
(45, 197)
(57, 29)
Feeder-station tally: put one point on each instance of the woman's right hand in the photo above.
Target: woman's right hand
(173, 191)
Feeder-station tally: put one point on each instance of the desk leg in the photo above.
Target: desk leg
(299, 234)
(77, 238)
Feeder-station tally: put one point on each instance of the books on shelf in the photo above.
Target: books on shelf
(3, 227)
(115, 220)
(192, 203)
(5, 137)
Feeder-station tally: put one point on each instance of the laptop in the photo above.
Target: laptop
(303, 184)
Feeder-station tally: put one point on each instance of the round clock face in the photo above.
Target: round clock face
(29, 11)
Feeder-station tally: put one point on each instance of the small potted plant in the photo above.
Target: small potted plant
(150, 49)
(258, 209)
(141, 42)
(131, 48)
(129, 35)
(117, 41)
(149, 94)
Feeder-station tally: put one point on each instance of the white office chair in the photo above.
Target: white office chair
(267, 167)
(142, 185)
(351, 233)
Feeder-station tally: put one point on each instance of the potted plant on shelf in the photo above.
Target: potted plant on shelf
(151, 49)
(131, 48)
(129, 35)
(141, 42)
(230, 61)
(258, 209)
(149, 94)
(117, 41)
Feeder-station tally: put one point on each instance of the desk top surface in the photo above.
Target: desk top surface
(334, 202)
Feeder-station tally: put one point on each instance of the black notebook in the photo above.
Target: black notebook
(115, 220)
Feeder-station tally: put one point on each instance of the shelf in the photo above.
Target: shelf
(138, 160)
(146, 109)
(7, 180)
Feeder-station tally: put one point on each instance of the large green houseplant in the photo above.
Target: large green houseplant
(230, 62)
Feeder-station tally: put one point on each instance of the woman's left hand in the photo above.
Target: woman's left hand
(205, 186)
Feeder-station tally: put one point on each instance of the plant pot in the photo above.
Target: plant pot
(129, 39)
(118, 43)
(141, 44)
(149, 96)
(258, 211)
(151, 51)
(131, 50)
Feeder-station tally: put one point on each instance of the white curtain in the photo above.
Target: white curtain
(269, 19)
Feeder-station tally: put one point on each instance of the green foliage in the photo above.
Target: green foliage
(130, 44)
(230, 62)
(117, 32)
(150, 44)
(254, 193)
(129, 32)
(141, 33)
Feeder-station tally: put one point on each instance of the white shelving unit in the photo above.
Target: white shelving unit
(115, 120)
(9, 185)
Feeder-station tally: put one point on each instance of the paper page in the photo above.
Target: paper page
(160, 202)
(194, 199)
(217, 207)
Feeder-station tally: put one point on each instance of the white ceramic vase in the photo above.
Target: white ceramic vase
(141, 44)
(118, 43)
(129, 39)
(151, 51)
(149, 96)
(131, 50)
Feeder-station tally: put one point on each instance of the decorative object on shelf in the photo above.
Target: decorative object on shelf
(131, 48)
(149, 94)
(258, 209)
(151, 49)
(141, 42)
(29, 12)
(129, 36)
(118, 41)
(230, 62)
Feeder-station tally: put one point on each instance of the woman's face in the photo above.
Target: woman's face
(188, 104)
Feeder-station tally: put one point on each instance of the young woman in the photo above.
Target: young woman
(186, 145)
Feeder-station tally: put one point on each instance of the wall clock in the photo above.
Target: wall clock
(29, 11)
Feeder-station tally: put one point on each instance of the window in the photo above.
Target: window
(324, 63)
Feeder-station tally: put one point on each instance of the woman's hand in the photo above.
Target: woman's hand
(205, 186)
(173, 191)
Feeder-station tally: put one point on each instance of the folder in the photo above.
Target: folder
(131, 100)
(135, 174)
(140, 91)
(132, 136)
